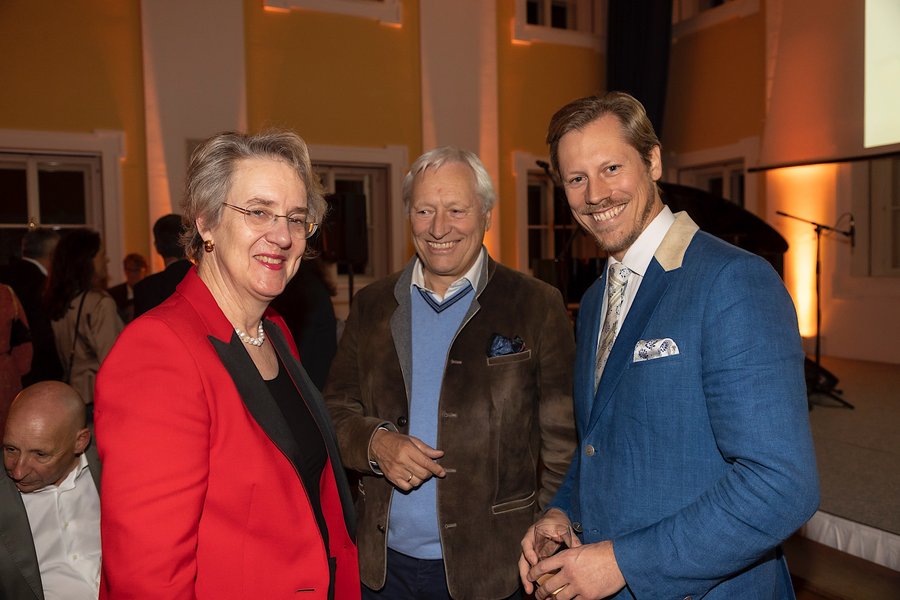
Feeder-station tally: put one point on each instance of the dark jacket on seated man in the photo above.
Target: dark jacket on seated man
(20, 568)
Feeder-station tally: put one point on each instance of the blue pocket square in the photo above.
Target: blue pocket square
(501, 345)
(651, 349)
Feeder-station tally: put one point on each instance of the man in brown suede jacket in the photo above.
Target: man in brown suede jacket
(451, 396)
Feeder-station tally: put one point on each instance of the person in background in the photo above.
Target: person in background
(84, 317)
(306, 307)
(28, 278)
(695, 459)
(135, 267)
(49, 498)
(15, 348)
(154, 289)
(451, 396)
(255, 502)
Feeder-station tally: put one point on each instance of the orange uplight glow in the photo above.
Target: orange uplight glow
(276, 9)
(512, 30)
(808, 193)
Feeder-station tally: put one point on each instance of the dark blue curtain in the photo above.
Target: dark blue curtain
(639, 35)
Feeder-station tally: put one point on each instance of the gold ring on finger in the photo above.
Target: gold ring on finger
(558, 590)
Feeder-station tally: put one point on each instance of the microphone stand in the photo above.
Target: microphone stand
(817, 388)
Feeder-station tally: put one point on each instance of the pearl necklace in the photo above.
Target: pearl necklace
(253, 341)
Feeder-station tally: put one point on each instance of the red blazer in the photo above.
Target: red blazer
(201, 496)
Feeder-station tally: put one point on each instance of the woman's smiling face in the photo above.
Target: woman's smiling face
(251, 262)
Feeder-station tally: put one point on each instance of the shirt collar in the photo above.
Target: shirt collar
(641, 252)
(472, 276)
(36, 263)
(69, 482)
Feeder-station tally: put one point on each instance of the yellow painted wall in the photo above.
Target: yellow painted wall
(335, 79)
(716, 90)
(76, 67)
(535, 80)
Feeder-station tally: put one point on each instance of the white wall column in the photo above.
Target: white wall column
(459, 84)
(194, 86)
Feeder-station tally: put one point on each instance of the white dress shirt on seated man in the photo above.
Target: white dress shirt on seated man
(65, 526)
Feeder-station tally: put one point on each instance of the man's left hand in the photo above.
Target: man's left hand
(588, 571)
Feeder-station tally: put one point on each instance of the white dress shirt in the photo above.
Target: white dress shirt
(637, 258)
(472, 276)
(65, 526)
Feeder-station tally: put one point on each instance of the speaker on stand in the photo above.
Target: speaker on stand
(819, 381)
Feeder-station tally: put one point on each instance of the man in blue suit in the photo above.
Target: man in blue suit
(695, 459)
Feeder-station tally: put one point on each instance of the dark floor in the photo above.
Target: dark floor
(822, 573)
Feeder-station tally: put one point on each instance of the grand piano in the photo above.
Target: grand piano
(579, 264)
(573, 272)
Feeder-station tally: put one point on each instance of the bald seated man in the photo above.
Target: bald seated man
(49, 498)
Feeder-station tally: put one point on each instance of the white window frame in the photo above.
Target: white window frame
(524, 32)
(376, 194)
(109, 145)
(523, 162)
(397, 161)
(746, 151)
(883, 204)
(698, 176)
(687, 18)
(388, 12)
(34, 163)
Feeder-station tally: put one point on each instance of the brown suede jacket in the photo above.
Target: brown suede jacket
(506, 423)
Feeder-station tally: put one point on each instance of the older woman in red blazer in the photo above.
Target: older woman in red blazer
(221, 475)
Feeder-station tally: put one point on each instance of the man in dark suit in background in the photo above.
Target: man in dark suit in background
(153, 290)
(28, 278)
(49, 498)
(306, 307)
(135, 267)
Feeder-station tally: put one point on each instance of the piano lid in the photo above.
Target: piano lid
(727, 221)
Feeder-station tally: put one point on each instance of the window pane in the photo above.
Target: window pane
(62, 196)
(535, 204)
(560, 241)
(737, 188)
(13, 195)
(562, 214)
(533, 11)
(349, 186)
(534, 246)
(560, 14)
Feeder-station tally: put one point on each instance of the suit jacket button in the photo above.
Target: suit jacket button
(402, 421)
(589, 450)
(576, 526)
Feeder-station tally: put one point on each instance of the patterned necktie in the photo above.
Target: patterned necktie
(615, 294)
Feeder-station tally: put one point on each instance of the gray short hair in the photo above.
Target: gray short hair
(213, 163)
(434, 159)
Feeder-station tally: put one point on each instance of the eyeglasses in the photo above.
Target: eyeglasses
(262, 219)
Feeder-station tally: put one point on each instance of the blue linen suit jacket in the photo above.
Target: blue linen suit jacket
(699, 464)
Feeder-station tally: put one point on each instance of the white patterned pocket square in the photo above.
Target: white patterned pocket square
(650, 349)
